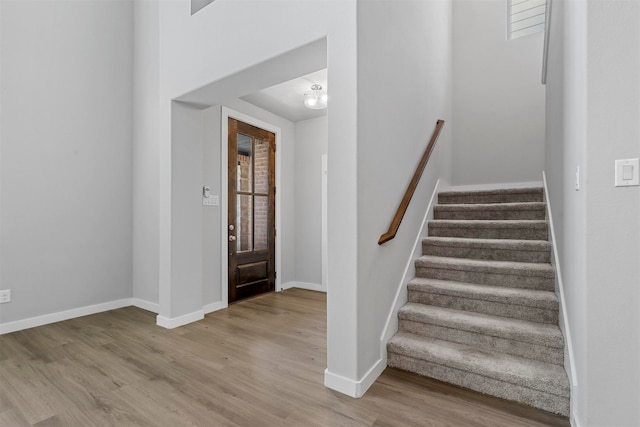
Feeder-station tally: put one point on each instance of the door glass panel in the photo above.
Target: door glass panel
(245, 162)
(244, 223)
(261, 221)
(261, 165)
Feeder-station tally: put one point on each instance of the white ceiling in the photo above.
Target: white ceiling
(286, 99)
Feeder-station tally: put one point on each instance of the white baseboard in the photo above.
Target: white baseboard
(146, 305)
(574, 420)
(214, 306)
(32, 322)
(497, 186)
(350, 387)
(175, 322)
(302, 285)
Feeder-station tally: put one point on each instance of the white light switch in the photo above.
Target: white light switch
(210, 201)
(627, 172)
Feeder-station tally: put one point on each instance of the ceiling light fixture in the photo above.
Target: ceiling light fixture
(316, 100)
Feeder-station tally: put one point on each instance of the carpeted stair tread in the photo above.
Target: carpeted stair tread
(480, 223)
(532, 374)
(500, 327)
(519, 229)
(510, 244)
(514, 296)
(489, 249)
(512, 195)
(488, 211)
(486, 266)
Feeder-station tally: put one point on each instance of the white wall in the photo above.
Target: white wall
(613, 214)
(498, 99)
(66, 155)
(593, 112)
(404, 80)
(311, 144)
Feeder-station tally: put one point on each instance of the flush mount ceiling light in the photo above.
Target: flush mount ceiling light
(316, 100)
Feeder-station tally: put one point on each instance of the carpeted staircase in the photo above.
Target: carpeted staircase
(482, 312)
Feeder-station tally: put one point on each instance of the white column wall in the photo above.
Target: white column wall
(207, 47)
(404, 82)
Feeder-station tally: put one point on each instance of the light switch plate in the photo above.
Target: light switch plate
(210, 201)
(627, 172)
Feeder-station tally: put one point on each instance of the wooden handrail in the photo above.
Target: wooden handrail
(404, 204)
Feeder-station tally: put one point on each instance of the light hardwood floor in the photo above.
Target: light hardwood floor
(258, 363)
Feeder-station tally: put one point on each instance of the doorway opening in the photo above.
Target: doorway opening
(251, 210)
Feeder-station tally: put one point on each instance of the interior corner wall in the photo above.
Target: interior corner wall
(498, 98)
(565, 150)
(395, 122)
(146, 115)
(66, 155)
(212, 285)
(311, 144)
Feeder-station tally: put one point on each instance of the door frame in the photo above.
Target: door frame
(224, 196)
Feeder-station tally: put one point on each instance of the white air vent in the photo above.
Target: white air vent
(525, 17)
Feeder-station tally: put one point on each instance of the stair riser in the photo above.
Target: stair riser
(546, 401)
(485, 253)
(537, 214)
(444, 199)
(532, 314)
(483, 278)
(516, 233)
(485, 342)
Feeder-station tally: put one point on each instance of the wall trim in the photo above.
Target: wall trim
(573, 420)
(214, 306)
(32, 322)
(391, 325)
(354, 388)
(169, 323)
(175, 322)
(302, 285)
(497, 186)
(146, 305)
(569, 360)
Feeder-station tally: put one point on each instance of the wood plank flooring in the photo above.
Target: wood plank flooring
(258, 363)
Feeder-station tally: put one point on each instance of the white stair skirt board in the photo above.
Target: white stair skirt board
(391, 326)
(351, 387)
(302, 285)
(32, 322)
(146, 305)
(175, 322)
(498, 186)
(569, 361)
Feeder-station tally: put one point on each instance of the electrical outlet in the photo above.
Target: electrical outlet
(5, 296)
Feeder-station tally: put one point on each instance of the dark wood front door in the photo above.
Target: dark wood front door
(251, 227)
